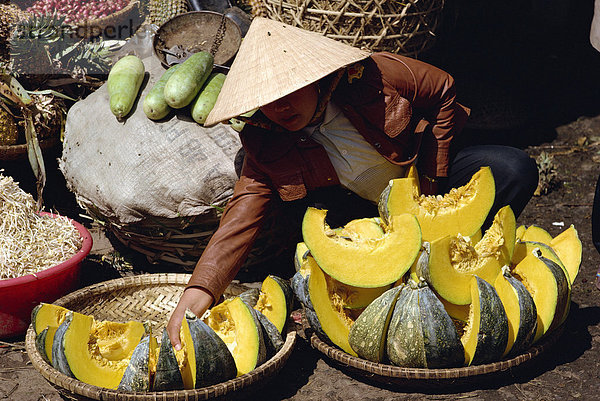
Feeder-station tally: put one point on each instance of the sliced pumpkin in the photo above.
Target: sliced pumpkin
(520, 311)
(520, 231)
(139, 375)
(421, 334)
(547, 284)
(368, 334)
(461, 211)
(364, 263)
(486, 334)
(238, 327)
(214, 362)
(275, 300)
(93, 352)
(47, 315)
(454, 261)
(536, 234)
(567, 246)
(332, 318)
(43, 343)
(300, 255)
(362, 229)
(524, 248)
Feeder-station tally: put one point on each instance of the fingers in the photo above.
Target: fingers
(196, 300)
(174, 327)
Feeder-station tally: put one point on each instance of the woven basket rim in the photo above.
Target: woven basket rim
(99, 393)
(370, 369)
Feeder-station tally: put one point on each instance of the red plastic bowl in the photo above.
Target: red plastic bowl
(18, 296)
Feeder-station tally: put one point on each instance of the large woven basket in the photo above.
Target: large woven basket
(402, 27)
(149, 298)
(418, 377)
(181, 241)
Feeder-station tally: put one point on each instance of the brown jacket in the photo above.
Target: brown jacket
(401, 106)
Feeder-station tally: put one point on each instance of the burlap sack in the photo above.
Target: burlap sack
(127, 171)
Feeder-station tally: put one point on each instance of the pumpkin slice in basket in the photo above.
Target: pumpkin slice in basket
(461, 211)
(454, 260)
(486, 334)
(520, 311)
(141, 370)
(421, 334)
(567, 246)
(95, 352)
(239, 328)
(365, 262)
(548, 285)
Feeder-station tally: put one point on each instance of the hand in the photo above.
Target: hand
(198, 300)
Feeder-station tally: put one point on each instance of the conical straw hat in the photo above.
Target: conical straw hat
(274, 60)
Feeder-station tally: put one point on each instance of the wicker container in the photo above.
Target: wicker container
(418, 378)
(181, 241)
(402, 27)
(150, 298)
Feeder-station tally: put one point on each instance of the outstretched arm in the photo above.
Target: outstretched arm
(227, 249)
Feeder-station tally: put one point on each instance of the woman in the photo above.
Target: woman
(334, 125)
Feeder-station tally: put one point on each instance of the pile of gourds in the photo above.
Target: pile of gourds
(420, 286)
(235, 337)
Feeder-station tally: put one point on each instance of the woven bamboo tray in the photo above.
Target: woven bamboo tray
(151, 298)
(396, 375)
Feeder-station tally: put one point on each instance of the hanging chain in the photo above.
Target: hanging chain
(219, 36)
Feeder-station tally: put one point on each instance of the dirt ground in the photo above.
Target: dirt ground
(550, 92)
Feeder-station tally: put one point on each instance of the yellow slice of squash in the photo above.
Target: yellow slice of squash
(454, 261)
(365, 263)
(567, 246)
(334, 319)
(461, 211)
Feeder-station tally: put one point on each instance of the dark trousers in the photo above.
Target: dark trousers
(515, 175)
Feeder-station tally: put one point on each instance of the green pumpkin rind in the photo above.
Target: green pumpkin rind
(368, 334)
(421, 334)
(250, 297)
(299, 284)
(313, 321)
(272, 336)
(214, 362)
(493, 326)
(137, 374)
(562, 282)
(528, 320)
(40, 345)
(167, 376)
(59, 360)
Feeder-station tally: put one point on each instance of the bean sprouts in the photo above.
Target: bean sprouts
(29, 242)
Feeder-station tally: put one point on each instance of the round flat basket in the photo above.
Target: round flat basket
(403, 27)
(396, 375)
(149, 298)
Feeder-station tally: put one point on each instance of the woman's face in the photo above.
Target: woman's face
(294, 111)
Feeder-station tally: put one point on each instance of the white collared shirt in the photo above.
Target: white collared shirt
(360, 168)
